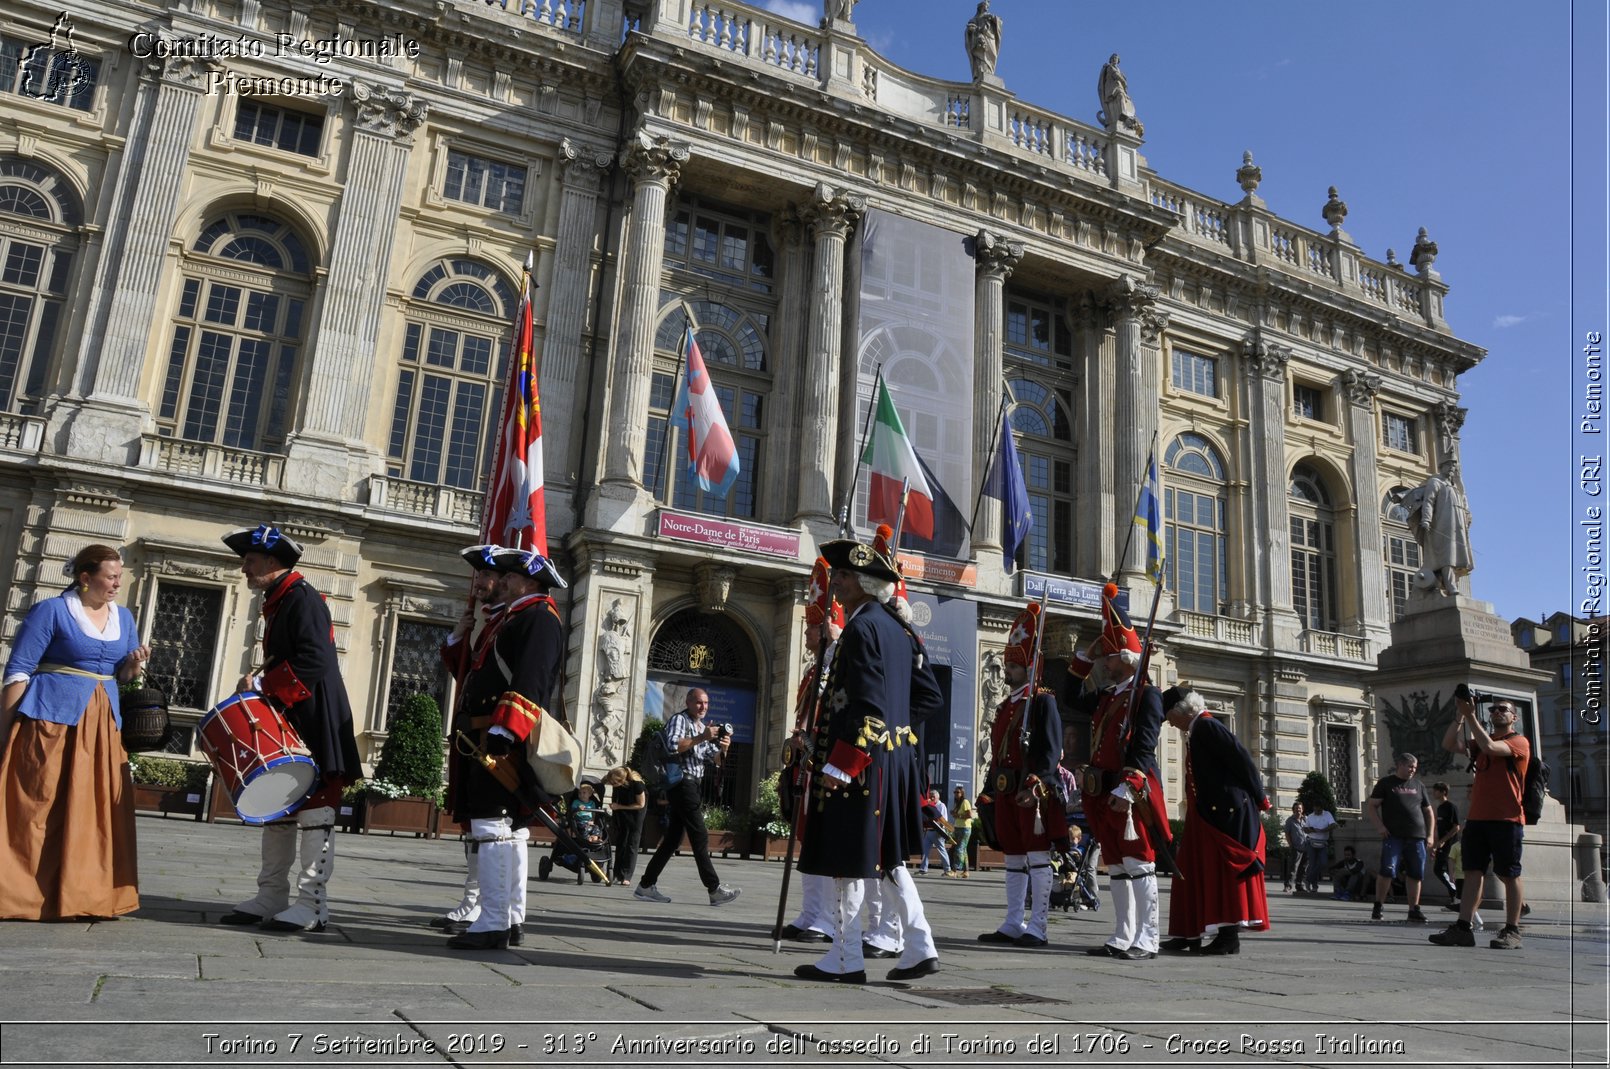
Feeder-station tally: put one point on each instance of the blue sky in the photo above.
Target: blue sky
(1453, 116)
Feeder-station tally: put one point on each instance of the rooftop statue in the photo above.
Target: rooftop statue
(983, 41)
(1117, 108)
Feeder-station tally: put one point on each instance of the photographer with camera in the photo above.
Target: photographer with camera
(1494, 826)
(690, 744)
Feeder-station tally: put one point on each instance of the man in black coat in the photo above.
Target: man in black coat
(863, 818)
(512, 685)
(301, 675)
(1220, 889)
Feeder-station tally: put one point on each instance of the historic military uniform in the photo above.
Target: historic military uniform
(513, 682)
(864, 819)
(301, 674)
(1221, 863)
(1123, 764)
(1024, 791)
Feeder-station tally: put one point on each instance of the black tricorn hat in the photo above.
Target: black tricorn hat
(528, 562)
(859, 557)
(481, 558)
(267, 540)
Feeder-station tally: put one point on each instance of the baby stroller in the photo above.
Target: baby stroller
(588, 825)
(1075, 872)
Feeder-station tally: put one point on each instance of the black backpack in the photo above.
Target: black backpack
(1535, 789)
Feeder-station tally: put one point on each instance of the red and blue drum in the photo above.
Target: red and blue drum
(259, 757)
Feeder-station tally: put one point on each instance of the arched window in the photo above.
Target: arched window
(1037, 354)
(1401, 550)
(41, 213)
(733, 343)
(1313, 549)
(455, 359)
(238, 334)
(1194, 510)
(1043, 428)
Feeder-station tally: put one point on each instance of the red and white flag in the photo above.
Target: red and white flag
(515, 513)
(712, 456)
(892, 461)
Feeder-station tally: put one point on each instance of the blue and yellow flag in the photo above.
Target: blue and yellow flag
(1149, 518)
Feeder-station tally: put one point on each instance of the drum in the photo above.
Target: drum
(258, 756)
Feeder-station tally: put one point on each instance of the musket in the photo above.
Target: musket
(1148, 815)
(530, 795)
(802, 782)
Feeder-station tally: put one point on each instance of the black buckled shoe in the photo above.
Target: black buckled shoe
(496, 940)
(998, 936)
(516, 934)
(1030, 941)
(925, 967)
(1228, 941)
(811, 972)
(454, 927)
(1181, 945)
(240, 918)
(870, 951)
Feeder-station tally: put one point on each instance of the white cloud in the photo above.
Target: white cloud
(798, 10)
(1500, 322)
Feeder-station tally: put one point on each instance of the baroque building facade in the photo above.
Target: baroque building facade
(261, 259)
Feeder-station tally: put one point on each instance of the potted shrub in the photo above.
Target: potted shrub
(770, 823)
(718, 820)
(166, 785)
(655, 813)
(406, 789)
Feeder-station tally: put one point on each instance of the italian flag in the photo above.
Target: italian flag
(890, 458)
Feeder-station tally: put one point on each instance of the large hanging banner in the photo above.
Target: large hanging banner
(916, 320)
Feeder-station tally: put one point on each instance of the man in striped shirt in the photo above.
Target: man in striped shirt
(690, 745)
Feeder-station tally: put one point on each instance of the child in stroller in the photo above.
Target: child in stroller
(584, 821)
(1075, 873)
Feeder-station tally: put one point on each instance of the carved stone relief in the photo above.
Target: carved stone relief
(609, 696)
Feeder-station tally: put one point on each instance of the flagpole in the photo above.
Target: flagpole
(866, 428)
(1151, 458)
(995, 443)
(900, 516)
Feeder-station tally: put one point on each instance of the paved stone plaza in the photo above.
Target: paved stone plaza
(608, 980)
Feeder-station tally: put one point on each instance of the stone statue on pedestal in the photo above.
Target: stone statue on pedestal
(1117, 109)
(1440, 520)
(983, 41)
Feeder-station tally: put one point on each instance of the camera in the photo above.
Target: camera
(1476, 697)
(725, 731)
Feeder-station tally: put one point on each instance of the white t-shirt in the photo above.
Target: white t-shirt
(1319, 825)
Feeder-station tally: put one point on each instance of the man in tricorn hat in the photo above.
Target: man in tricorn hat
(512, 684)
(302, 675)
(1220, 889)
(864, 820)
(1121, 789)
(475, 627)
(1026, 738)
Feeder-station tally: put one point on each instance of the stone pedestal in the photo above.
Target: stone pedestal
(1439, 643)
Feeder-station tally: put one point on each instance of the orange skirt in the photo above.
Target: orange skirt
(67, 806)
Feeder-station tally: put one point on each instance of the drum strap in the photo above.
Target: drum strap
(69, 670)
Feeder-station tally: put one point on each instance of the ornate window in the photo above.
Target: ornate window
(286, 129)
(1401, 550)
(41, 214)
(1313, 550)
(56, 72)
(1398, 432)
(1195, 373)
(416, 666)
(723, 256)
(455, 358)
(489, 183)
(1194, 511)
(1340, 760)
(237, 335)
(185, 625)
(1038, 358)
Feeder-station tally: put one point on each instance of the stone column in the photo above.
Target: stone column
(1138, 324)
(996, 258)
(324, 456)
(583, 169)
(1092, 420)
(122, 309)
(829, 216)
(1375, 611)
(1264, 372)
(790, 386)
(654, 164)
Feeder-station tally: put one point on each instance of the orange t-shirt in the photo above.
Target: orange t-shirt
(1495, 794)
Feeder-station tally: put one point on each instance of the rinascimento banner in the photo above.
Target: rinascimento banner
(915, 318)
